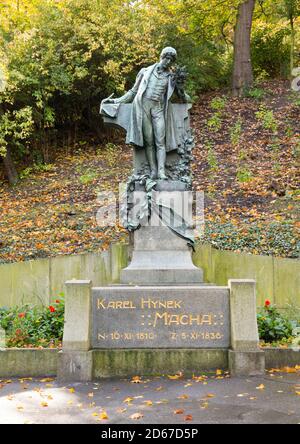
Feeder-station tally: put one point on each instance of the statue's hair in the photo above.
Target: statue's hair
(168, 50)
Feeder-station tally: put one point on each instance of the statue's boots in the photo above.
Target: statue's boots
(150, 154)
(161, 160)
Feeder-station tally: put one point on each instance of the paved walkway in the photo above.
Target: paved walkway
(269, 399)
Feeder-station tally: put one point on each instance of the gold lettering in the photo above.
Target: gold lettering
(196, 319)
(182, 320)
(100, 303)
(145, 303)
(174, 319)
(156, 304)
(160, 316)
(207, 319)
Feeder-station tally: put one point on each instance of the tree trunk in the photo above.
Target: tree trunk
(292, 46)
(242, 68)
(10, 170)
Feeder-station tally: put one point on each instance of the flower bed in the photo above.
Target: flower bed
(275, 329)
(32, 326)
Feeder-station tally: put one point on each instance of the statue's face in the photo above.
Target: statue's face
(167, 60)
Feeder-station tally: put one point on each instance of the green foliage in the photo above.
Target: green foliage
(255, 93)
(236, 132)
(244, 174)
(267, 118)
(218, 103)
(272, 325)
(60, 58)
(15, 129)
(214, 123)
(211, 158)
(32, 326)
(276, 239)
(36, 168)
(270, 51)
(88, 177)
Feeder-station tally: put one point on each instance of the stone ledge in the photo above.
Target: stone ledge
(18, 362)
(30, 362)
(151, 362)
(282, 357)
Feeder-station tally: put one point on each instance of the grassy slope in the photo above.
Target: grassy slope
(250, 184)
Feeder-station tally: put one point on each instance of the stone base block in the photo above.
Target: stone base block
(162, 276)
(75, 366)
(246, 363)
(152, 362)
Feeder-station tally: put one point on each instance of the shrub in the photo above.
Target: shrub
(270, 49)
(236, 132)
(272, 325)
(255, 93)
(244, 175)
(32, 326)
(214, 123)
(275, 238)
(267, 118)
(218, 103)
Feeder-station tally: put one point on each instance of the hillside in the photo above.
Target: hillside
(246, 160)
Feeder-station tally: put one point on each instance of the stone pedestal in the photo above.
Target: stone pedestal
(118, 330)
(75, 359)
(160, 257)
(245, 356)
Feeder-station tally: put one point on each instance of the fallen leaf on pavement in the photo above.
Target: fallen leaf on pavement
(188, 418)
(136, 416)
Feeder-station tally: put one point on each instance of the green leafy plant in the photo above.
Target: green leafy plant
(36, 168)
(211, 158)
(244, 175)
(272, 325)
(214, 123)
(276, 238)
(218, 103)
(267, 118)
(235, 132)
(88, 177)
(33, 326)
(255, 93)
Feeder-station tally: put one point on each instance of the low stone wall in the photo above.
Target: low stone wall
(40, 281)
(125, 363)
(20, 362)
(277, 279)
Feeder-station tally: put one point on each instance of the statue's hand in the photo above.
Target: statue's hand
(110, 101)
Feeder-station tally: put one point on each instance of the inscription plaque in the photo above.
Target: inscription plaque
(160, 317)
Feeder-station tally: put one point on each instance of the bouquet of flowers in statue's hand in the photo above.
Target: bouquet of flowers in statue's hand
(180, 75)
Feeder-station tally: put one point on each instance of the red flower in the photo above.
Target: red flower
(52, 309)
(57, 301)
(267, 303)
(21, 315)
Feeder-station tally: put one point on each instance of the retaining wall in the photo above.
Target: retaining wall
(40, 281)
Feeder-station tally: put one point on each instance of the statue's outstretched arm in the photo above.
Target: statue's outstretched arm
(130, 95)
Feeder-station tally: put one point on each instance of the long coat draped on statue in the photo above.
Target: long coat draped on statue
(135, 131)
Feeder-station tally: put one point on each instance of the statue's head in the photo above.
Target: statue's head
(168, 56)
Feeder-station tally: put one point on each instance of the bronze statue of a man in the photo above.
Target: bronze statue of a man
(150, 124)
